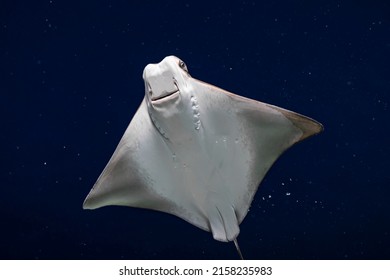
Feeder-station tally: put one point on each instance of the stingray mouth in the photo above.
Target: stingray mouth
(164, 96)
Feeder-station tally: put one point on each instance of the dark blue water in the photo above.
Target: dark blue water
(70, 82)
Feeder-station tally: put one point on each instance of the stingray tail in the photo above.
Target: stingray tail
(238, 248)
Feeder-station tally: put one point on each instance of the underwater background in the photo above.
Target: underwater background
(71, 80)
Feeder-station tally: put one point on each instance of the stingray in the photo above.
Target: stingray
(196, 151)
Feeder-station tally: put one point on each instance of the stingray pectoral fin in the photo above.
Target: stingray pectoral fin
(263, 133)
(268, 120)
(271, 129)
(123, 181)
(275, 122)
(117, 184)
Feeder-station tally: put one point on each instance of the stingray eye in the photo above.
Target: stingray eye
(183, 66)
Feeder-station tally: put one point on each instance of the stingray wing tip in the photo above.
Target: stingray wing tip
(88, 204)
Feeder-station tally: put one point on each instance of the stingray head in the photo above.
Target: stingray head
(170, 97)
(165, 81)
